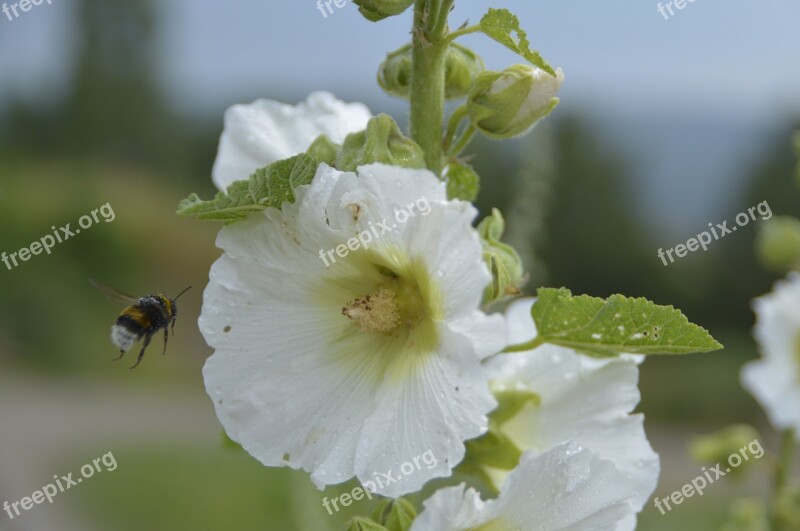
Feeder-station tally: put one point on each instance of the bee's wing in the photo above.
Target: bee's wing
(114, 295)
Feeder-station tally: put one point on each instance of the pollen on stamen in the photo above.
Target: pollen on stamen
(378, 312)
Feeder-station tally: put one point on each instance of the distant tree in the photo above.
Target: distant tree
(112, 104)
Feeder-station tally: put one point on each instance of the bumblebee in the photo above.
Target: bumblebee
(142, 318)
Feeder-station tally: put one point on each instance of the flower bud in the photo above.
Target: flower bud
(503, 261)
(508, 104)
(462, 66)
(376, 10)
(778, 243)
(383, 142)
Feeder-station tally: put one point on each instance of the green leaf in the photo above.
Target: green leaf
(503, 26)
(267, 187)
(605, 328)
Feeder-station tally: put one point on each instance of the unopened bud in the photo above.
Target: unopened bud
(376, 10)
(382, 142)
(508, 104)
(778, 243)
(462, 66)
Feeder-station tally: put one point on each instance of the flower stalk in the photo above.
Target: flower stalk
(783, 470)
(428, 78)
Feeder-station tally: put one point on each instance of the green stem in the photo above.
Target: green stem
(442, 15)
(536, 342)
(464, 141)
(452, 126)
(782, 473)
(427, 78)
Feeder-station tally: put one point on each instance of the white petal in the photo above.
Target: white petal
(777, 391)
(775, 379)
(437, 402)
(566, 488)
(298, 385)
(266, 131)
(581, 399)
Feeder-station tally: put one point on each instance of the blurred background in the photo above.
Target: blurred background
(665, 125)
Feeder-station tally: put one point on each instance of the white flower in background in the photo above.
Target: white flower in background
(775, 378)
(359, 367)
(580, 399)
(567, 487)
(266, 131)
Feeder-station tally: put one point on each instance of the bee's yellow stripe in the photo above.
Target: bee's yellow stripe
(137, 315)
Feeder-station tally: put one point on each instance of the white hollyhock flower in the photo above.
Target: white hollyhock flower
(266, 131)
(580, 399)
(565, 488)
(775, 378)
(362, 366)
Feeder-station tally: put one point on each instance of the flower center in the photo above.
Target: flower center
(393, 304)
(378, 312)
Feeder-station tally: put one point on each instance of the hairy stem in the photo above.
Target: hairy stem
(427, 78)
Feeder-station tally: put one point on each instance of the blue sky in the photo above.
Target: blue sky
(731, 58)
(729, 63)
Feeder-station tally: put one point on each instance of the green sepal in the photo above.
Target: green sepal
(494, 448)
(376, 10)
(395, 515)
(322, 149)
(503, 26)
(360, 523)
(267, 187)
(503, 261)
(382, 141)
(510, 403)
(604, 328)
(463, 181)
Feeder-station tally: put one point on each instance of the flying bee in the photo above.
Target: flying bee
(142, 318)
